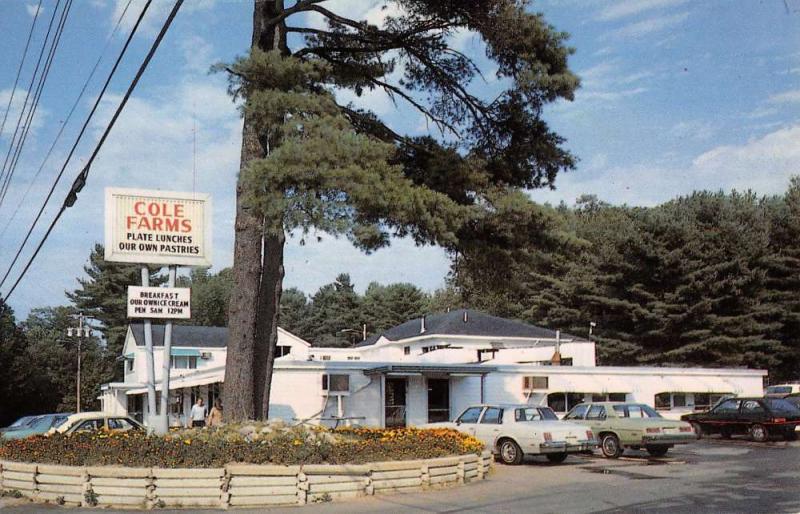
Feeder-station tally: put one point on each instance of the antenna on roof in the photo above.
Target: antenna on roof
(465, 315)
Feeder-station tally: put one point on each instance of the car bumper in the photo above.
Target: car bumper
(685, 438)
(568, 447)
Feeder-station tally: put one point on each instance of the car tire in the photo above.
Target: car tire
(758, 433)
(657, 451)
(557, 458)
(609, 445)
(726, 432)
(698, 429)
(510, 452)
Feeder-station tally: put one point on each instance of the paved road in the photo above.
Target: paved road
(710, 476)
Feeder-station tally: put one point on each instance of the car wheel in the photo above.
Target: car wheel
(510, 452)
(726, 432)
(610, 446)
(698, 429)
(758, 433)
(557, 458)
(657, 451)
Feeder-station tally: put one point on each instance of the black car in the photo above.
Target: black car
(760, 418)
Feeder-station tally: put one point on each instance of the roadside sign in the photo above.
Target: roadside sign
(157, 227)
(159, 302)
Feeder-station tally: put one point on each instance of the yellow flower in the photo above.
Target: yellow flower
(187, 441)
(297, 442)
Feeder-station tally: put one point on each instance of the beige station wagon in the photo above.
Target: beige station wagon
(630, 425)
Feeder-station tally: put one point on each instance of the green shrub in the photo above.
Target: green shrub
(249, 444)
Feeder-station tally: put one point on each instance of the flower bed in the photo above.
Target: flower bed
(253, 444)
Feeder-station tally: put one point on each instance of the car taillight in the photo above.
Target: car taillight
(779, 420)
(589, 434)
(548, 436)
(653, 430)
(686, 429)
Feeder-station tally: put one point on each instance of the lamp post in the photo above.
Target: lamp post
(80, 332)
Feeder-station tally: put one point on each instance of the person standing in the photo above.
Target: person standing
(198, 414)
(215, 416)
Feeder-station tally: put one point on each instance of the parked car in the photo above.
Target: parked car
(39, 425)
(94, 421)
(22, 422)
(782, 390)
(630, 425)
(513, 431)
(760, 418)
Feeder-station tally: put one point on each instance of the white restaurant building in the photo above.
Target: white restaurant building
(424, 370)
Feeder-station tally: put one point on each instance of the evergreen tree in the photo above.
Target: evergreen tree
(311, 162)
(103, 296)
(211, 294)
(294, 311)
(384, 307)
(334, 316)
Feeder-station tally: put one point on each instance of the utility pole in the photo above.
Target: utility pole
(80, 332)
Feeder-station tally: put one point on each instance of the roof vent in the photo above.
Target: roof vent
(465, 316)
(422, 325)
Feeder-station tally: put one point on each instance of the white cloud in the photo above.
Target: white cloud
(622, 9)
(156, 13)
(763, 165)
(699, 130)
(785, 97)
(198, 54)
(650, 25)
(14, 111)
(33, 9)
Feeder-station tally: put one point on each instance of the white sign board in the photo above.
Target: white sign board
(158, 227)
(159, 302)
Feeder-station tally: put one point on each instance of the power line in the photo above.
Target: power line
(77, 140)
(36, 97)
(19, 69)
(80, 180)
(67, 119)
(30, 88)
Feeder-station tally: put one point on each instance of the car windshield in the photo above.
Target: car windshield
(781, 406)
(637, 410)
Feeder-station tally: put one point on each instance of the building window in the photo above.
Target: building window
(183, 362)
(566, 361)
(326, 357)
(667, 401)
(129, 365)
(353, 358)
(662, 401)
(562, 402)
(336, 383)
(532, 383)
(608, 397)
(282, 351)
(406, 350)
(678, 400)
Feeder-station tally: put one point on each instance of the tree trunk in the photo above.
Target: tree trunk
(267, 322)
(238, 394)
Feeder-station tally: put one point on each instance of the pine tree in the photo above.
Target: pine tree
(103, 296)
(311, 162)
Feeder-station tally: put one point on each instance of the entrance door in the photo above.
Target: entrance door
(395, 402)
(438, 400)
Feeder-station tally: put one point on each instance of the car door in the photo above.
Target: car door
(578, 414)
(468, 420)
(596, 417)
(751, 412)
(488, 428)
(725, 416)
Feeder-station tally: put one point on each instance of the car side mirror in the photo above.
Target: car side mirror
(458, 422)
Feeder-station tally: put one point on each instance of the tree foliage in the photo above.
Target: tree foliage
(707, 280)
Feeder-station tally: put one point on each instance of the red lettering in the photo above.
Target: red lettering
(173, 225)
(158, 223)
(129, 221)
(179, 210)
(136, 208)
(187, 225)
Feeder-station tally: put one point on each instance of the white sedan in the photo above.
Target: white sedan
(513, 431)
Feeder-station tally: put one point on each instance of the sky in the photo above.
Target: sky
(676, 96)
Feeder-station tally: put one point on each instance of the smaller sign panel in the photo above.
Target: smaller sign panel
(159, 302)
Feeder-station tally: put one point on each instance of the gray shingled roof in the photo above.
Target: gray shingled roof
(477, 324)
(184, 335)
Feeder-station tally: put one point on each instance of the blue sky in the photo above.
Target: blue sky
(676, 96)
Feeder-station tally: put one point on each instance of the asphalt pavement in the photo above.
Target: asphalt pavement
(708, 476)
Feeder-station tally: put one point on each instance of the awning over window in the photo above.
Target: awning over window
(410, 369)
(129, 356)
(184, 352)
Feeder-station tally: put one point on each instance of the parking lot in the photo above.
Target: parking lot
(711, 475)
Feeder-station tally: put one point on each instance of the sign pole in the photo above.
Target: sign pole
(163, 421)
(149, 361)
